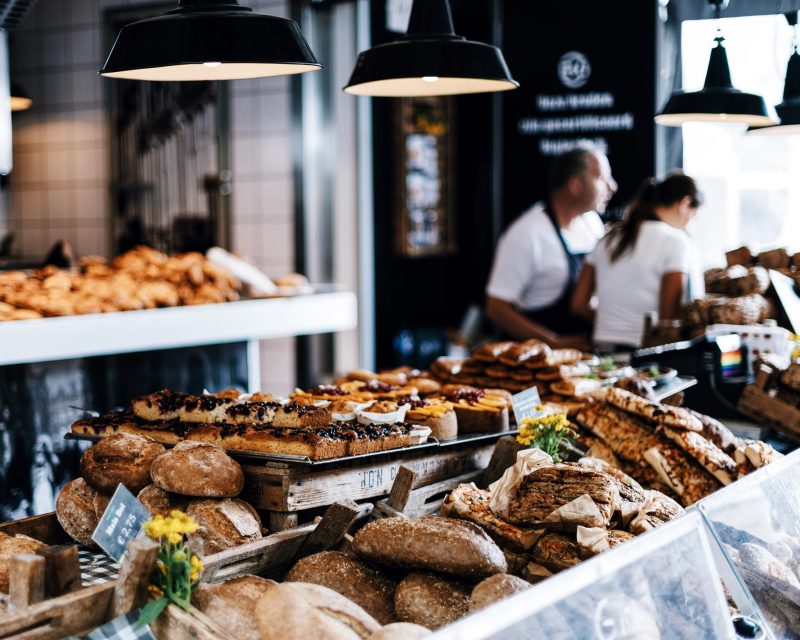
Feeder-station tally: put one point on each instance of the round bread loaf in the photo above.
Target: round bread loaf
(122, 458)
(431, 543)
(78, 509)
(401, 631)
(494, 589)
(9, 547)
(430, 600)
(159, 502)
(231, 604)
(299, 611)
(369, 589)
(223, 524)
(198, 469)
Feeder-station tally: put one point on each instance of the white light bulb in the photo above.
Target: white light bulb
(211, 64)
(430, 78)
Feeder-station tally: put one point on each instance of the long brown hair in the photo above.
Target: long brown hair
(652, 194)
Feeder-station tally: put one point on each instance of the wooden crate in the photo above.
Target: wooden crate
(288, 488)
(759, 405)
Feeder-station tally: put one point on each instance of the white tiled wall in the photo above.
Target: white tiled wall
(59, 186)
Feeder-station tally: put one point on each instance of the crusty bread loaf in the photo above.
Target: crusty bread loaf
(231, 604)
(223, 524)
(556, 552)
(300, 611)
(430, 600)
(78, 509)
(431, 543)
(159, 502)
(198, 469)
(494, 589)
(9, 547)
(401, 631)
(123, 458)
(368, 588)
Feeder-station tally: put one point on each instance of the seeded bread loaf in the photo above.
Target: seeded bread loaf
(350, 577)
(431, 543)
(198, 469)
(430, 600)
(123, 458)
(494, 589)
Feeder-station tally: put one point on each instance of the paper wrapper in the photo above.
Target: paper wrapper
(581, 512)
(366, 417)
(592, 541)
(528, 460)
(350, 415)
(259, 282)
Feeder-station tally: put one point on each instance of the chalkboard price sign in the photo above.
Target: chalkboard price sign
(121, 523)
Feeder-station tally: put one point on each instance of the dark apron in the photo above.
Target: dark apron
(558, 317)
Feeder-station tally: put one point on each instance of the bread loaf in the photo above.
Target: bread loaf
(159, 502)
(9, 547)
(556, 552)
(494, 589)
(123, 458)
(78, 509)
(198, 469)
(223, 524)
(431, 543)
(400, 631)
(430, 600)
(299, 611)
(231, 604)
(369, 589)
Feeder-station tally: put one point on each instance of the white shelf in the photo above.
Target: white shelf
(50, 339)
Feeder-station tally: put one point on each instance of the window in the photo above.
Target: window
(751, 183)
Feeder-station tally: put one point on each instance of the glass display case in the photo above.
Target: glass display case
(663, 584)
(756, 525)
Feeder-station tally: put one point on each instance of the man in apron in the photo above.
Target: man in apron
(540, 255)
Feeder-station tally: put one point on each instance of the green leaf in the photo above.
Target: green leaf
(151, 611)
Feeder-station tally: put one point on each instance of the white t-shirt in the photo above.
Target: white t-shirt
(530, 268)
(628, 289)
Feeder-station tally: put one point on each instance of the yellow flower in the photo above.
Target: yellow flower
(162, 567)
(174, 538)
(154, 590)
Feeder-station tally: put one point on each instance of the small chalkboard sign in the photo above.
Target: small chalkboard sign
(121, 523)
(524, 404)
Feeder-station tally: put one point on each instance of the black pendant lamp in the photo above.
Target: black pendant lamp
(209, 40)
(430, 60)
(789, 109)
(718, 100)
(20, 100)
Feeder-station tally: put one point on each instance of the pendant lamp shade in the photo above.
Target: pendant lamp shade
(430, 60)
(718, 100)
(209, 40)
(20, 100)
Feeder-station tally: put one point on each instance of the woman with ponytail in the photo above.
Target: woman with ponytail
(644, 264)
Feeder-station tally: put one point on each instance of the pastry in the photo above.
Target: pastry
(706, 453)
(437, 415)
(675, 417)
(524, 352)
(492, 351)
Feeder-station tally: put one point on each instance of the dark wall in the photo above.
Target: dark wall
(587, 71)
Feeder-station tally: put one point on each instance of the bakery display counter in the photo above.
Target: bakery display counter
(663, 584)
(755, 523)
(49, 339)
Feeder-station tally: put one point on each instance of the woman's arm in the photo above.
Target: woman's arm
(673, 286)
(583, 292)
(506, 317)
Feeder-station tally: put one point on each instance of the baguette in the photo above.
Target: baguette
(431, 543)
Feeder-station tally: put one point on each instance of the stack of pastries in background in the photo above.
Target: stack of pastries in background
(195, 477)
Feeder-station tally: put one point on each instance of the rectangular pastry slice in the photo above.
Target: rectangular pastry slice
(679, 473)
(528, 351)
(299, 416)
(628, 438)
(492, 351)
(705, 453)
(159, 406)
(662, 414)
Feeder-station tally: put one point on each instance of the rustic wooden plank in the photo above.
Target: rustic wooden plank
(130, 590)
(257, 557)
(44, 528)
(298, 488)
(759, 405)
(62, 569)
(330, 531)
(177, 624)
(401, 488)
(503, 457)
(57, 618)
(26, 580)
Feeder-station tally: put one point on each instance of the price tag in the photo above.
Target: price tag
(121, 523)
(524, 404)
